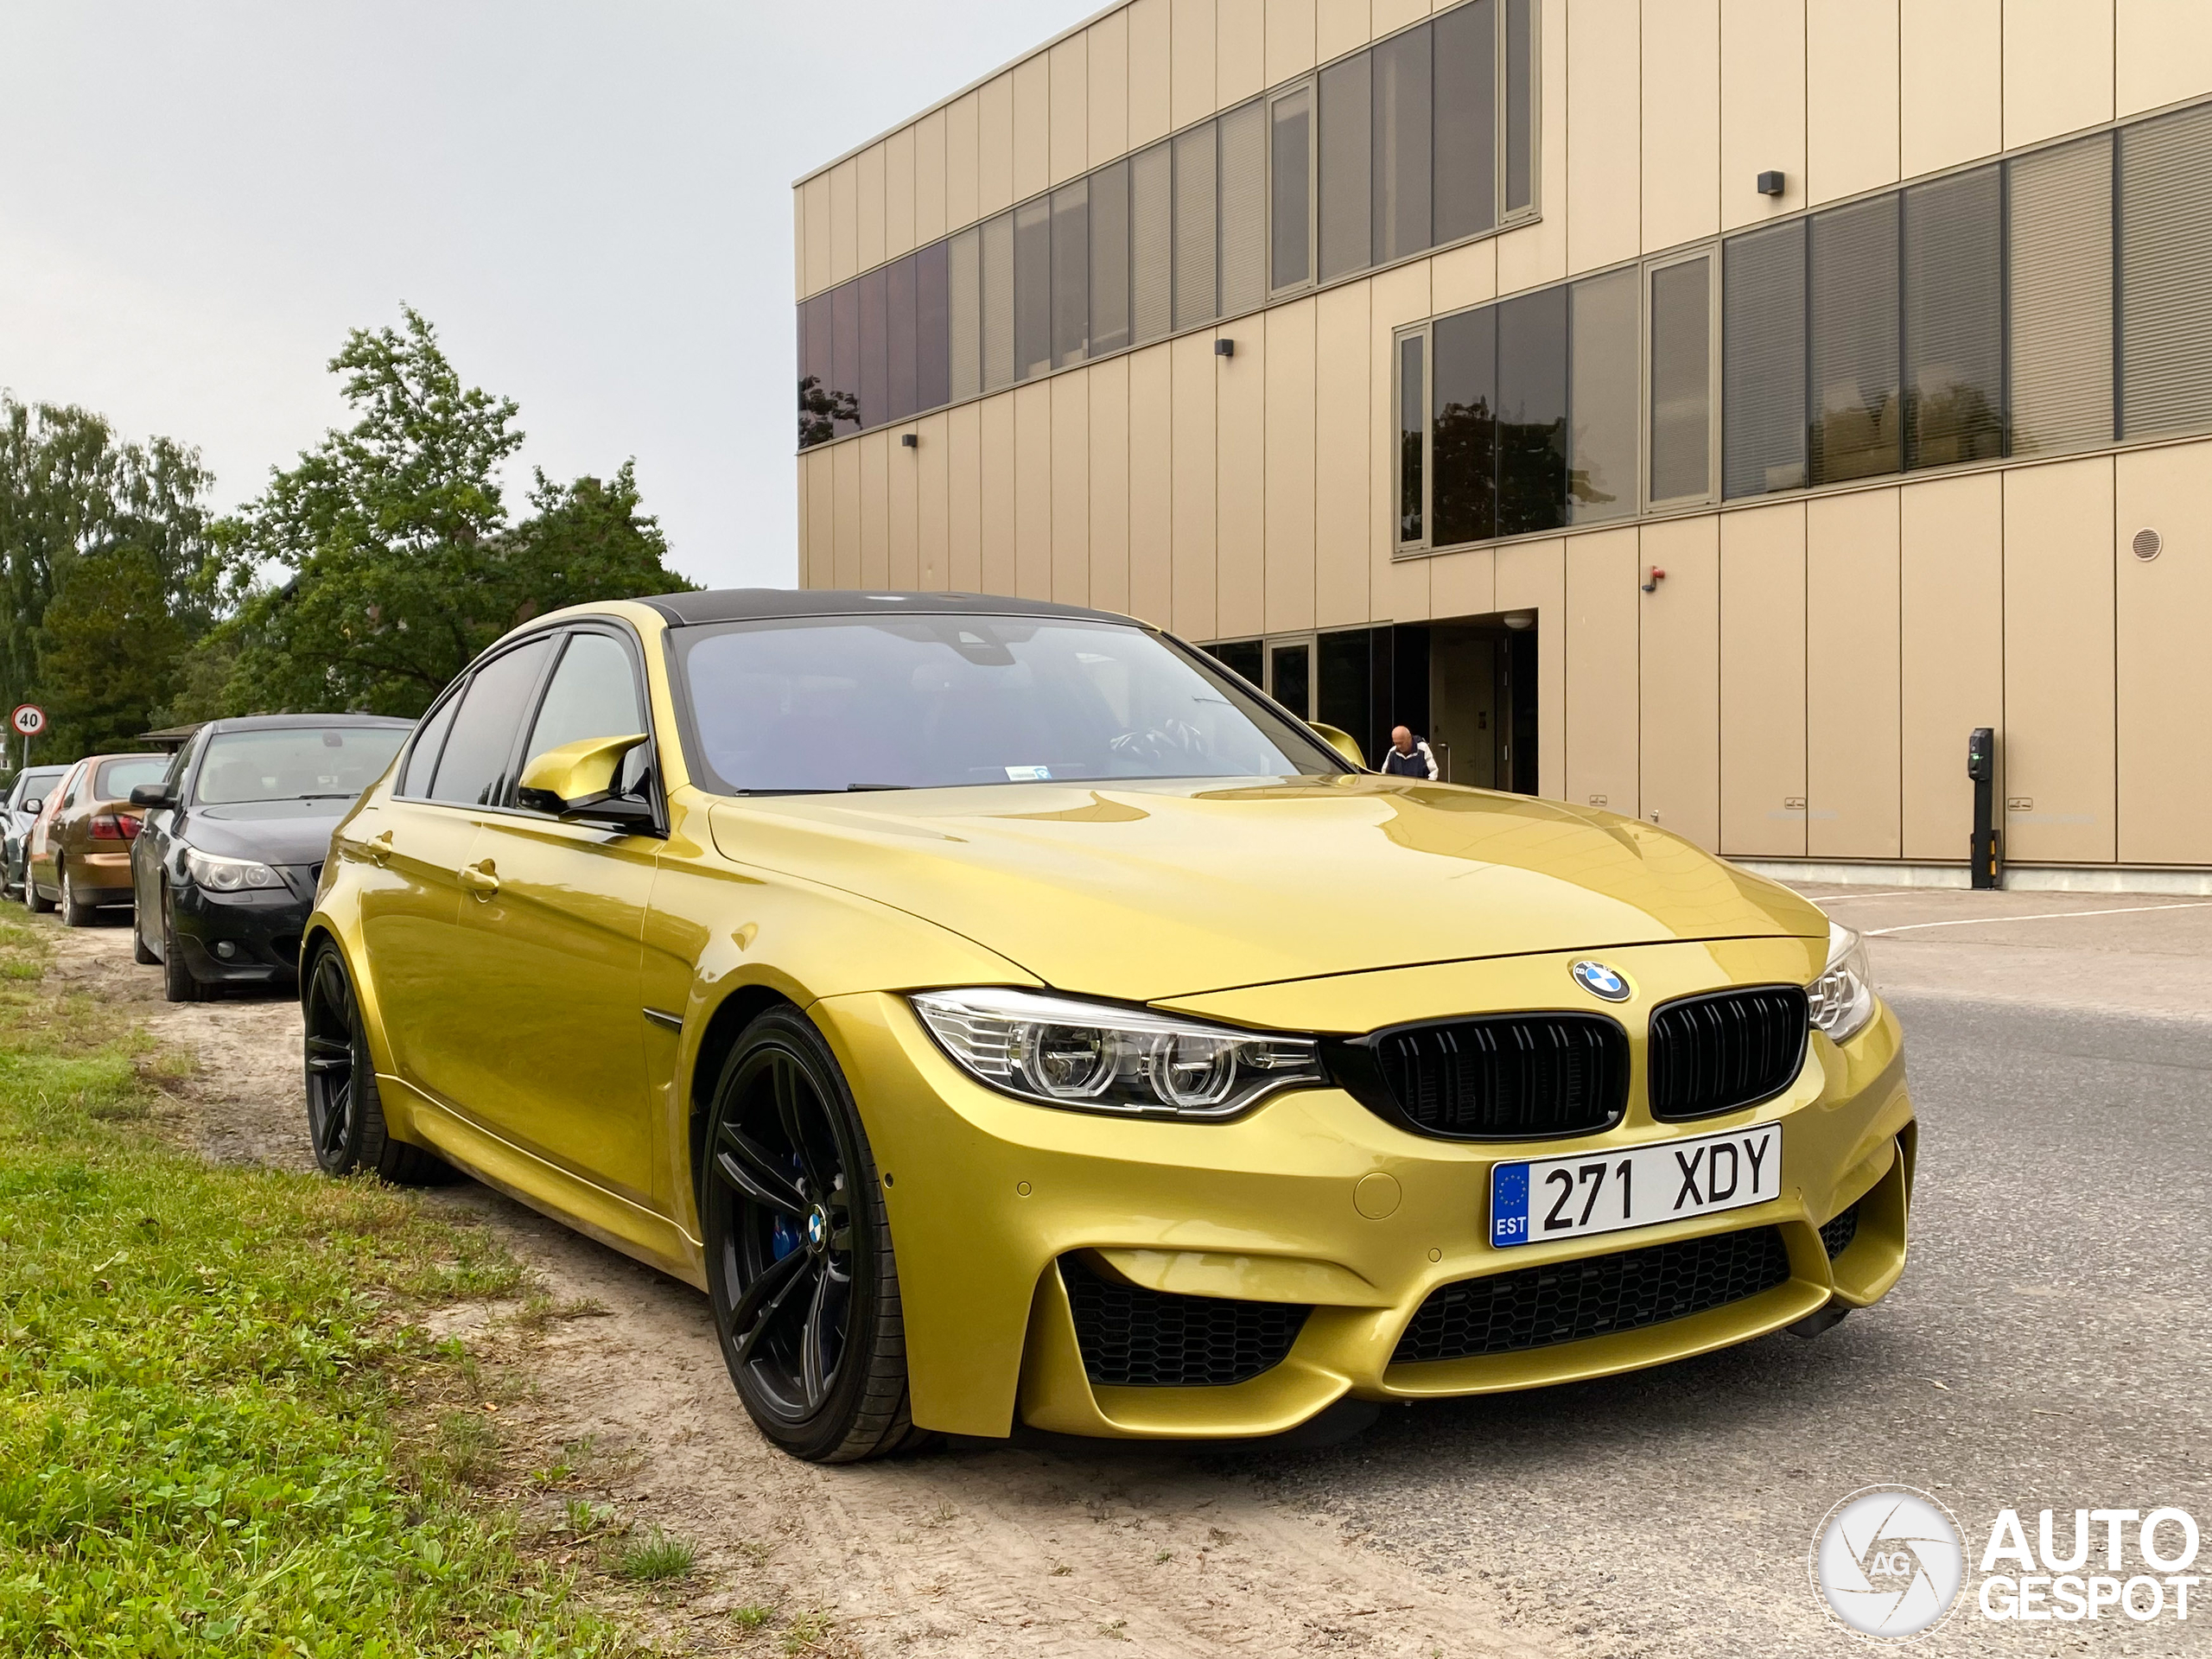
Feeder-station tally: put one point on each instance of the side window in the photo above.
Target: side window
(76, 786)
(474, 769)
(594, 694)
(173, 779)
(422, 759)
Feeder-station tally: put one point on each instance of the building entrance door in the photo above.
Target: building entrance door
(1482, 703)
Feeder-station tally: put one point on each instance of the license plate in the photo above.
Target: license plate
(1639, 1187)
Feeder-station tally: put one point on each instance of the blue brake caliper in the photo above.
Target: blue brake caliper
(787, 1234)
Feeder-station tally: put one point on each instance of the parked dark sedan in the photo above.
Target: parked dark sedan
(227, 865)
(24, 797)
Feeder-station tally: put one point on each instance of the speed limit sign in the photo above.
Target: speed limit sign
(29, 719)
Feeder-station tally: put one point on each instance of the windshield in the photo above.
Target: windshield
(118, 778)
(836, 702)
(294, 763)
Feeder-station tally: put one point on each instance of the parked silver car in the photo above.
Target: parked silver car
(19, 807)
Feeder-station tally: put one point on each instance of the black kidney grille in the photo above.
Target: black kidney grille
(1838, 1234)
(1139, 1338)
(1507, 1076)
(1566, 1301)
(1726, 1050)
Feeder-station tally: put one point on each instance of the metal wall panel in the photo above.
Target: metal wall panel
(1952, 604)
(2057, 749)
(1033, 125)
(963, 161)
(1071, 107)
(1678, 657)
(816, 193)
(869, 220)
(964, 497)
(1532, 576)
(1151, 59)
(1852, 762)
(1032, 491)
(1152, 485)
(1340, 26)
(1762, 108)
(1193, 82)
(930, 221)
(1240, 50)
(995, 144)
(1071, 468)
(1109, 534)
(1763, 683)
(2058, 67)
(1682, 121)
(875, 509)
(1106, 101)
(1289, 39)
(1342, 441)
(933, 502)
(899, 194)
(1603, 217)
(1850, 98)
(997, 469)
(1196, 566)
(2165, 760)
(1604, 573)
(845, 509)
(1289, 466)
(844, 220)
(1951, 104)
(1241, 401)
(903, 567)
(2162, 52)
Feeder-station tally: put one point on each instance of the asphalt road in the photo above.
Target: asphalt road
(2048, 1347)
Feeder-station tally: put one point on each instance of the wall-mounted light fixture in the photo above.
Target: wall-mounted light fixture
(1519, 619)
(910, 440)
(1224, 348)
(1770, 184)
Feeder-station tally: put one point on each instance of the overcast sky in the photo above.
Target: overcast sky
(592, 202)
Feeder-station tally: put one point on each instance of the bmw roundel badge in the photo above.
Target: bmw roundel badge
(1601, 980)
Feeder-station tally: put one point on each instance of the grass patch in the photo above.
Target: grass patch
(200, 1369)
(657, 1556)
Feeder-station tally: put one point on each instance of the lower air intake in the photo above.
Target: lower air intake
(1136, 1338)
(1838, 1234)
(1566, 1301)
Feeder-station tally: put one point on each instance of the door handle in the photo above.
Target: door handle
(377, 849)
(479, 878)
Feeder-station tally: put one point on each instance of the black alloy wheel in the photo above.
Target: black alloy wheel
(344, 1114)
(799, 1265)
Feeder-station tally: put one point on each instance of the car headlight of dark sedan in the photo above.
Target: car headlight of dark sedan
(1093, 1057)
(215, 873)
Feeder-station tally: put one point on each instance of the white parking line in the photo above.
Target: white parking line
(2043, 916)
(1887, 892)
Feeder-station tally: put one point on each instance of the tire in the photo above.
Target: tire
(817, 1350)
(178, 983)
(75, 912)
(345, 1113)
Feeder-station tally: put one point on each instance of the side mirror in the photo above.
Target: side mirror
(1342, 743)
(577, 781)
(153, 795)
(34, 804)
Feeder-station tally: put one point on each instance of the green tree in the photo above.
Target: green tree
(396, 559)
(127, 522)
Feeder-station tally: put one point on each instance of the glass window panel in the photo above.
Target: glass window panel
(1466, 120)
(1195, 292)
(1347, 167)
(1520, 105)
(1955, 320)
(1681, 380)
(845, 355)
(1109, 258)
(1856, 425)
(1243, 209)
(1464, 450)
(1343, 682)
(1152, 244)
(1413, 410)
(2059, 224)
(474, 769)
(1290, 223)
(1033, 289)
(1071, 273)
(900, 402)
(1241, 657)
(1762, 361)
(932, 326)
(592, 693)
(876, 345)
(965, 285)
(817, 395)
(998, 302)
(1402, 136)
(2165, 251)
(1532, 413)
(1291, 668)
(1603, 324)
(422, 759)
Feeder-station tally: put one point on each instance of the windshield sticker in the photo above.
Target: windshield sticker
(1029, 774)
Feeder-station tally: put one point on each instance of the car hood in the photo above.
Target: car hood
(275, 832)
(1166, 889)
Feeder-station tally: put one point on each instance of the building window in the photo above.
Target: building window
(964, 290)
(1520, 107)
(1197, 293)
(1071, 273)
(932, 321)
(875, 346)
(1955, 320)
(901, 334)
(1109, 258)
(1402, 136)
(1152, 244)
(1462, 448)
(1762, 361)
(1413, 438)
(1602, 322)
(1466, 120)
(2058, 242)
(1532, 413)
(1243, 208)
(998, 302)
(1033, 289)
(1857, 417)
(1347, 182)
(1681, 380)
(2165, 250)
(1290, 209)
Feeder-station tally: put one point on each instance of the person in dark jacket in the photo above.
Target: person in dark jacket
(1407, 756)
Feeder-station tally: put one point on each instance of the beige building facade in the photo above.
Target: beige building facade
(1708, 409)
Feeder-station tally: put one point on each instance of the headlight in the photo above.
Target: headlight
(1842, 998)
(228, 875)
(1088, 1057)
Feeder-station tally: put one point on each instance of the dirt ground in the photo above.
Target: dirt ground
(982, 1552)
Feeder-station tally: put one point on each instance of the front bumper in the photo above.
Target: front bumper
(251, 938)
(1314, 1200)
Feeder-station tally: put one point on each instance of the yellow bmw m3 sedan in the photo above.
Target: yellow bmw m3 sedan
(1008, 1017)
